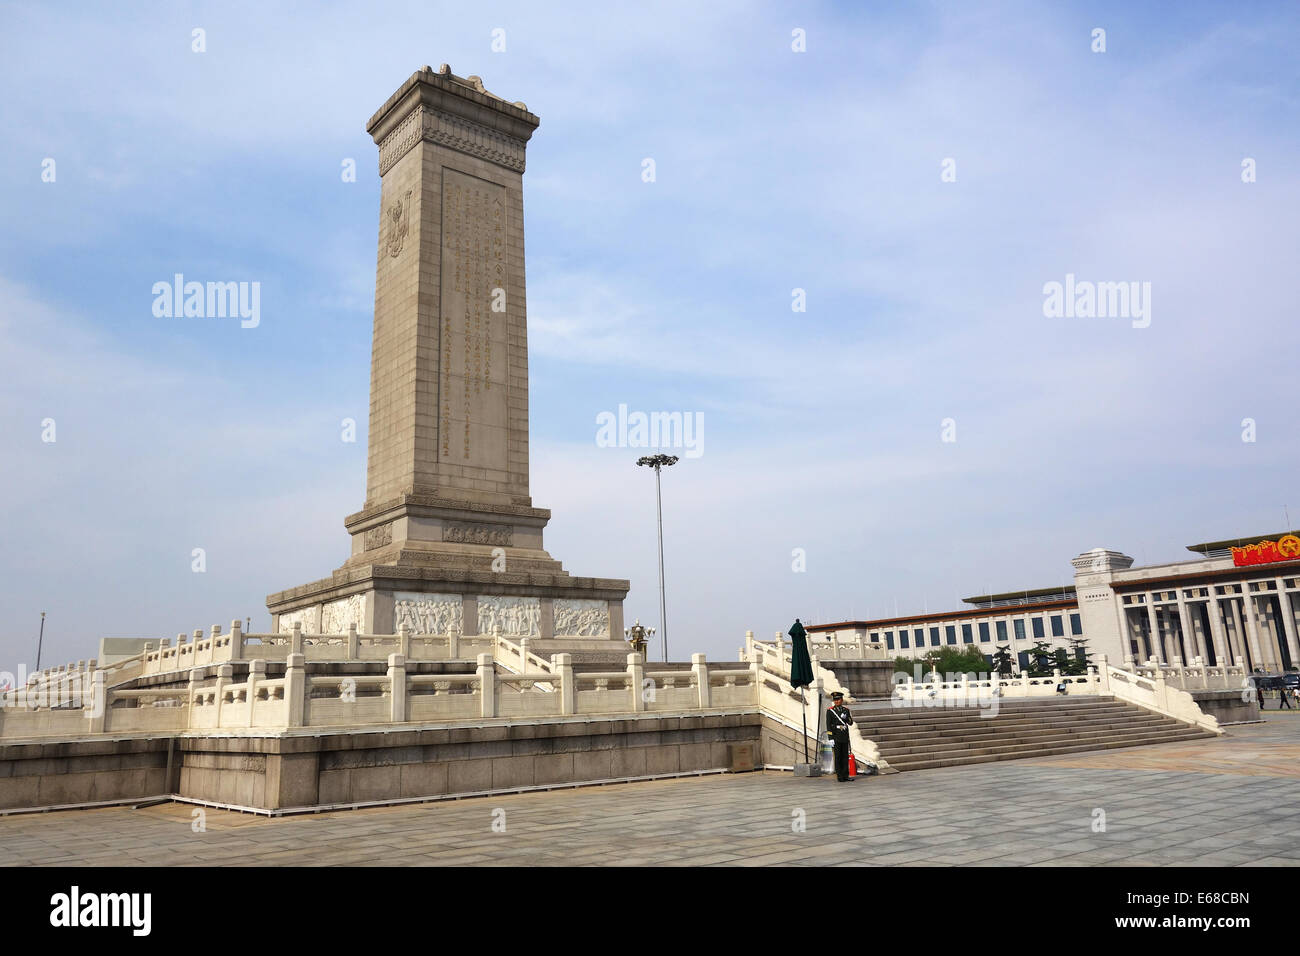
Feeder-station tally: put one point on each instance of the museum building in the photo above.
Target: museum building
(1239, 600)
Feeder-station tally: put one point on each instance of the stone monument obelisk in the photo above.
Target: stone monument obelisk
(449, 537)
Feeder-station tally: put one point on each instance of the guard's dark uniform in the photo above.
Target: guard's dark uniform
(838, 720)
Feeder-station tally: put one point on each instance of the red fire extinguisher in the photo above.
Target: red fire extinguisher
(853, 766)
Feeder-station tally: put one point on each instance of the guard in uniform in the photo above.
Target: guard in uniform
(838, 720)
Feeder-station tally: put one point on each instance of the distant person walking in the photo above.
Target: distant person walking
(1285, 698)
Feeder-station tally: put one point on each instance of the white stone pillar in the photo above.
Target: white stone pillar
(224, 673)
(236, 640)
(256, 674)
(1288, 622)
(295, 689)
(1156, 644)
(635, 677)
(1271, 636)
(562, 666)
(701, 669)
(1248, 610)
(397, 686)
(192, 691)
(1222, 651)
(487, 686)
(1190, 649)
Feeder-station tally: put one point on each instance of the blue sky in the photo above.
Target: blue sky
(775, 170)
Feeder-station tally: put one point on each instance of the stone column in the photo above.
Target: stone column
(1154, 622)
(1272, 637)
(236, 640)
(1191, 649)
(1222, 652)
(1202, 640)
(1252, 633)
(1288, 622)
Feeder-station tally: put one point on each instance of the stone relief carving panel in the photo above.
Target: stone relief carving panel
(477, 534)
(378, 537)
(336, 616)
(581, 618)
(427, 613)
(305, 616)
(516, 616)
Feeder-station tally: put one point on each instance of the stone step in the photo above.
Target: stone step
(1027, 738)
(922, 712)
(976, 725)
(931, 763)
(972, 746)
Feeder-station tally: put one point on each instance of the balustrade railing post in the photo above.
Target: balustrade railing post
(1161, 689)
(562, 665)
(749, 645)
(453, 643)
(700, 666)
(236, 640)
(397, 687)
(354, 643)
(295, 639)
(404, 641)
(224, 673)
(523, 654)
(192, 691)
(487, 686)
(256, 674)
(635, 679)
(97, 712)
(295, 689)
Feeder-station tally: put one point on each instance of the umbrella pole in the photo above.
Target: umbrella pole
(804, 713)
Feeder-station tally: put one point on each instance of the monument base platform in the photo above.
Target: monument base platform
(575, 614)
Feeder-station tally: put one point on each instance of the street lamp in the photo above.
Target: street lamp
(658, 462)
(636, 636)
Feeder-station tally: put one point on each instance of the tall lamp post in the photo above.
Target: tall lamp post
(39, 641)
(658, 462)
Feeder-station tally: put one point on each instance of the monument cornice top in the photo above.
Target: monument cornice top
(464, 97)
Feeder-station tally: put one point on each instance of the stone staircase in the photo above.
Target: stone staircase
(920, 738)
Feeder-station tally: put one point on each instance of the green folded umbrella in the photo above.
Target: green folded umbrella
(801, 673)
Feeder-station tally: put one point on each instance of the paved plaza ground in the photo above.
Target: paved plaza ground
(1232, 801)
